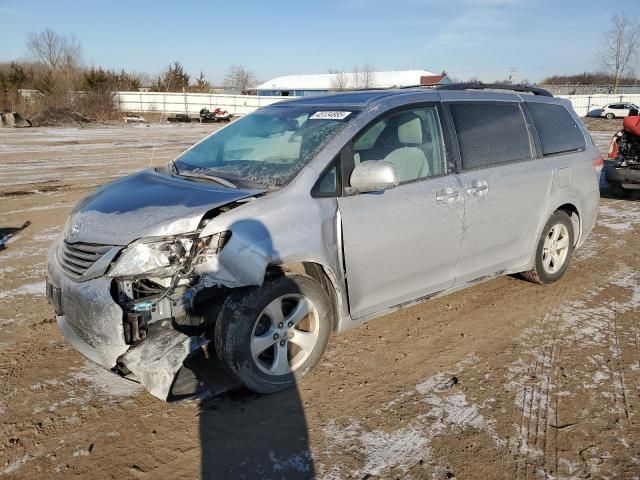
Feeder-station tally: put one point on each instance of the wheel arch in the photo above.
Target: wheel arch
(323, 275)
(575, 217)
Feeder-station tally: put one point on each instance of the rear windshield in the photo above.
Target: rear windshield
(558, 130)
(266, 148)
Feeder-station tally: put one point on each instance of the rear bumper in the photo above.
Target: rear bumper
(588, 215)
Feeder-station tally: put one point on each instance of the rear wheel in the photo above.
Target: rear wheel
(271, 336)
(610, 116)
(553, 251)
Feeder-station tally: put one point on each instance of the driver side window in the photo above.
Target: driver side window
(411, 140)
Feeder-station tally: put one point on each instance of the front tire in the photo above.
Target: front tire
(554, 250)
(610, 116)
(270, 336)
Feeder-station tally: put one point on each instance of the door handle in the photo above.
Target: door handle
(447, 194)
(478, 187)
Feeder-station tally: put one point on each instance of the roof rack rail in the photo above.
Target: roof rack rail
(494, 86)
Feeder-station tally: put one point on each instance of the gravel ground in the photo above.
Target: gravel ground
(503, 380)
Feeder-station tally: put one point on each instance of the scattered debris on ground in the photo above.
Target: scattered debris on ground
(57, 116)
(7, 233)
(131, 118)
(13, 120)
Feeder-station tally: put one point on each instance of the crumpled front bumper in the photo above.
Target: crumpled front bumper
(92, 322)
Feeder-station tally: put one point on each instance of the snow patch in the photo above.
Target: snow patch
(104, 382)
(37, 288)
(619, 220)
(297, 463)
(445, 409)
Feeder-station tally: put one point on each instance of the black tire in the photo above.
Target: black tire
(539, 274)
(240, 315)
(610, 116)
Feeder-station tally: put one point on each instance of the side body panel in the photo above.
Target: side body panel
(400, 244)
(575, 180)
(501, 224)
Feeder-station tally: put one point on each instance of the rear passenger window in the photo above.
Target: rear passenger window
(557, 129)
(490, 134)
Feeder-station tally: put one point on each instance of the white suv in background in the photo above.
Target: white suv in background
(617, 110)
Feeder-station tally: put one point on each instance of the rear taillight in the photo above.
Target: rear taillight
(613, 147)
(598, 162)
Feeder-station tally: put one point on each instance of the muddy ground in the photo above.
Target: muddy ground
(503, 380)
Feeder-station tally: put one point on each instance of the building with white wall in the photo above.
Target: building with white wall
(324, 83)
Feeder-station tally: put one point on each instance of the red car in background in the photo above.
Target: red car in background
(624, 175)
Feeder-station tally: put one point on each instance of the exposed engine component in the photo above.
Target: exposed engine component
(625, 151)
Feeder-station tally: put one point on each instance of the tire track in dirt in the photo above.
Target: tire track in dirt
(535, 409)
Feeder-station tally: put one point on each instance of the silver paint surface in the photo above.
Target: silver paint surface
(145, 204)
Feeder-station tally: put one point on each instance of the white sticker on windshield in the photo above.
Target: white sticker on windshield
(329, 115)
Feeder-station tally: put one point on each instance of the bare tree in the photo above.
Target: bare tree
(368, 75)
(58, 67)
(339, 80)
(54, 51)
(240, 78)
(620, 48)
(357, 78)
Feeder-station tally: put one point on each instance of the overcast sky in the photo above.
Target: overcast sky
(484, 38)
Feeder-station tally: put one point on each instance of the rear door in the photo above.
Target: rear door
(504, 186)
(403, 243)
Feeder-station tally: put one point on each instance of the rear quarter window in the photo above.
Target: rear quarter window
(558, 130)
(490, 133)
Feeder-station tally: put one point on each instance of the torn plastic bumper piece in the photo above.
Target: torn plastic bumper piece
(156, 361)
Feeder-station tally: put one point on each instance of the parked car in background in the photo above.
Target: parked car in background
(617, 110)
(317, 215)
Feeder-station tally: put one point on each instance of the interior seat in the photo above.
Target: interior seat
(409, 160)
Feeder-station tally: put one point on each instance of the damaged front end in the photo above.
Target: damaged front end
(144, 310)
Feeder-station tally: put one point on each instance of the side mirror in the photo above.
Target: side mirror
(373, 176)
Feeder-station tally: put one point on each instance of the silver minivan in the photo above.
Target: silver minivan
(315, 215)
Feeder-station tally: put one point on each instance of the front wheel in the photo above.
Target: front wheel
(553, 251)
(270, 336)
(610, 116)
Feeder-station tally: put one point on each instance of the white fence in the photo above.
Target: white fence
(584, 104)
(191, 103)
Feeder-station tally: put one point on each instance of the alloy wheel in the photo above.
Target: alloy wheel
(555, 248)
(285, 334)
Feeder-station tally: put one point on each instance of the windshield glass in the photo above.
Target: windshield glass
(267, 148)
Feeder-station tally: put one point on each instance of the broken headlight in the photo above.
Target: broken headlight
(159, 256)
(166, 256)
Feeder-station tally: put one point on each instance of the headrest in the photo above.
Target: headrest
(410, 129)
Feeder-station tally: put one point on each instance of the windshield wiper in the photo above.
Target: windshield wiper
(205, 176)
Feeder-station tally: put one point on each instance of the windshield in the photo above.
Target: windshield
(267, 148)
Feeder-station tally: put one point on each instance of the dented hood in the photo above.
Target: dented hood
(146, 204)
